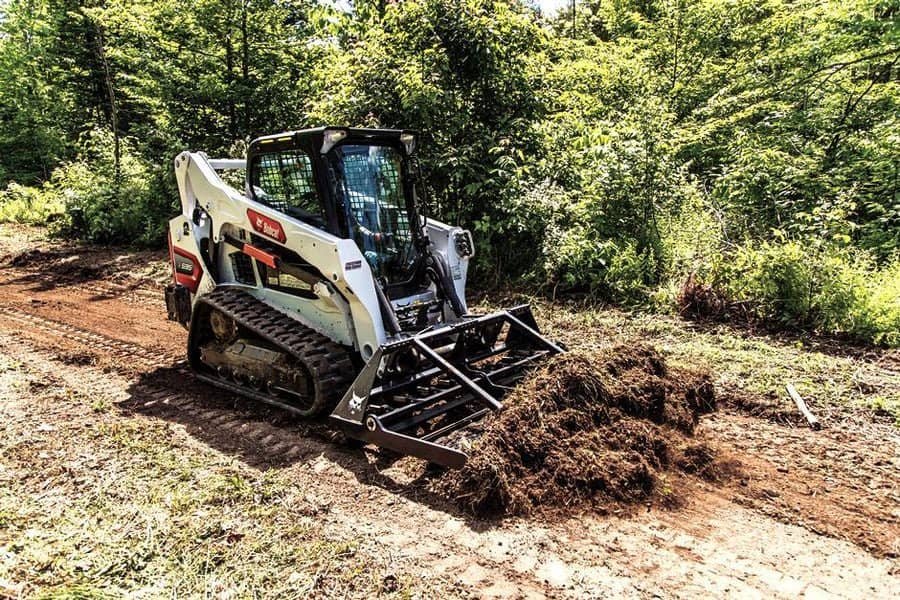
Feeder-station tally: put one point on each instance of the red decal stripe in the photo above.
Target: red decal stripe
(190, 281)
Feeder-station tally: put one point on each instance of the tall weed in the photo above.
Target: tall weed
(31, 205)
(800, 284)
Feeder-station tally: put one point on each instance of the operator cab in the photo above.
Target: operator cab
(284, 181)
(357, 184)
(353, 183)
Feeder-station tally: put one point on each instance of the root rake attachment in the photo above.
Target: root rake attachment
(416, 395)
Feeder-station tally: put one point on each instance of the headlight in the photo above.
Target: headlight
(409, 140)
(332, 137)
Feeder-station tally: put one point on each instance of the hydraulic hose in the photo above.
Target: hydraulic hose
(388, 316)
(440, 272)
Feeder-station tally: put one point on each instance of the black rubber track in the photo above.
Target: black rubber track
(327, 362)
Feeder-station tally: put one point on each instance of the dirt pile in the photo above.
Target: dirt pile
(587, 428)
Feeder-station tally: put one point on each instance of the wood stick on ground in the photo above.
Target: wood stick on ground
(810, 418)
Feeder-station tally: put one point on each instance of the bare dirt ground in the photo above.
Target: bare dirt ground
(120, 475)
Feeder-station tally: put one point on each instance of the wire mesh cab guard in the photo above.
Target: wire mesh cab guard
(413, 394)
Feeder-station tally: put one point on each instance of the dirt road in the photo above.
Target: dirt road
(111, 455)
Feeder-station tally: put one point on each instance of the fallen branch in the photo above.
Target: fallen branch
(810, 418)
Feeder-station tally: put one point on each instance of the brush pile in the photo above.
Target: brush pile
(586, 428)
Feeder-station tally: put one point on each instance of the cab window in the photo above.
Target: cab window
(284, 181)
(376, 210)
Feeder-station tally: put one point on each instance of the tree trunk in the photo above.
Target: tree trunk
(109, 84)
(229, 74)
(245, 70)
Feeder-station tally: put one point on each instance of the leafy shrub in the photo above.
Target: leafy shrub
(577, 259)
(778, 276)
(606, 238)
(881, 306)
(23, 204)
(800, 283)
(131, 208)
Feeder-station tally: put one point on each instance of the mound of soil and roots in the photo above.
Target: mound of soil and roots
(587, 428)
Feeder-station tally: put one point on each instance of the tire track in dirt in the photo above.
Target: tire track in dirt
(109, 290)
(89, 338)
(98, 288)
(260, 444)
(161, 374)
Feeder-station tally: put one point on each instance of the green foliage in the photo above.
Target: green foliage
(87, 198)
(459, 71)
(34, 112)
(882, 305)
(23, 204)
(810, 285)
(612, 152)
(794, 128)
(576, 259)
(128, 207)
(624, 182)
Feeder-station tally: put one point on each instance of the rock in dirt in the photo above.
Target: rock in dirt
(586, 428)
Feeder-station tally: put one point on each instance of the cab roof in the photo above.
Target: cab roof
(312, 139)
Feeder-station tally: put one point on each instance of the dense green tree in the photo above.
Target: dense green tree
(460, 72)
(35, 113)
(635, 145)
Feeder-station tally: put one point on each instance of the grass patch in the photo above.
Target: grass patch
(127, 506)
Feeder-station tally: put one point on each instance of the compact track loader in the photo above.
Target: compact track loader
(322, 288)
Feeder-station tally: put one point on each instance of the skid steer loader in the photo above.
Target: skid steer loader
(322, 288)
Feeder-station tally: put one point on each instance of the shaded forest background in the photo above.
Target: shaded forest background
(731, 159)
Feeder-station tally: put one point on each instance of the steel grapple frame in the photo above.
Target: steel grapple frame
(414, 394)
